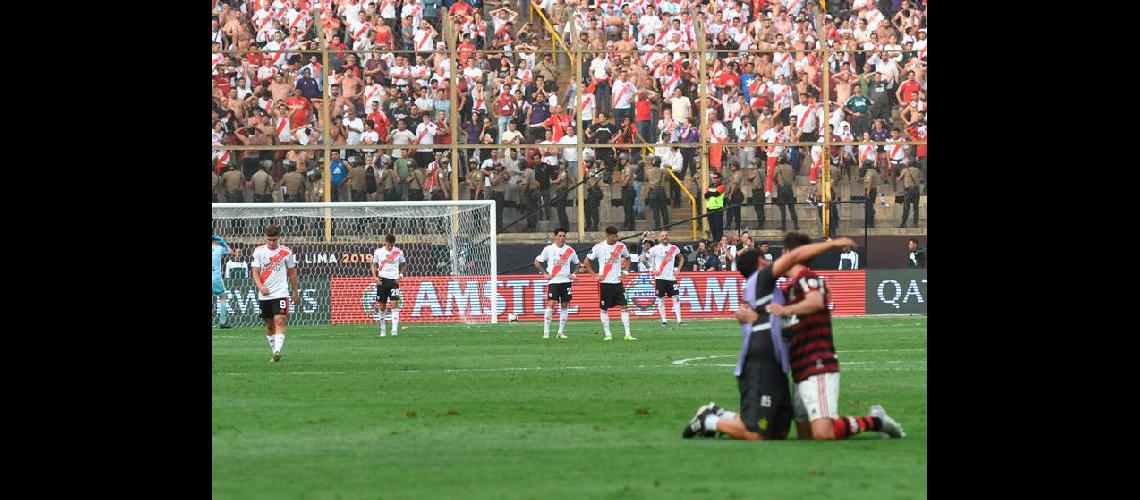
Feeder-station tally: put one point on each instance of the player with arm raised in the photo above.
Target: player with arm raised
(765, 401)
(274, 271)
(665, 264)
(220, 250)
(559, 259)
(387, 267)
(611, 292)
(811, 354)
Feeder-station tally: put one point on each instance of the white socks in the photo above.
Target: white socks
(727, 415)
(625, 321)
(661, 307)
(395, 321)
(710, 422)
(383, 323)
(562, 314)
(546, 322)
(676, 309)
(278, 341)
(270, 339)
(605, 315)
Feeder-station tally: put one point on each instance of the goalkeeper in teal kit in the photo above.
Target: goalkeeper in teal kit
(220, 250)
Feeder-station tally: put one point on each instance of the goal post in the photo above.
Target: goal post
(451, 274)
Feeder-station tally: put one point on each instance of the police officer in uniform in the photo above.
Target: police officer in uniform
(734, 195)
(561, 194)
(499, 179)
(593, 195)
(528, 190)
(295, 183)
(628, 196)
(357, 179)
(233, 183)
(714, 206)
(656, 196)
(475, 178)
(440, 189)
(416, 183)
(912, 180)
(871, 181)
(388, 179)
(784, 178)
(262, 183)
(754, 182)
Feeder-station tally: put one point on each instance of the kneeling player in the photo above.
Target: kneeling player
(765, 402)
(558, 258)
(274, 269)
(387, 267)
(611, 292)
(815, 368)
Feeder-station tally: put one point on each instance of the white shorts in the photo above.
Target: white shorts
(816, 397)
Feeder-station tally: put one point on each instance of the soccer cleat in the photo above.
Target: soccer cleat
(224, 327)
(276, 357)
(697, 424)
(680, 323)
(664, 324)
(716, 409)
(629, 337)
(561, 336)
(546, 335)
(608, 338)
(890, 427)
(382, 334)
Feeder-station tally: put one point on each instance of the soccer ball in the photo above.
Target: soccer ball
(512, 317)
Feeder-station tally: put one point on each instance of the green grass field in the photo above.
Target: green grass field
(447, 411)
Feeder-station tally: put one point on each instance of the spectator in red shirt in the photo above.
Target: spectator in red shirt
(299, 106)
(643, 115)
(905, 91)
(380, 120)
(558, 122)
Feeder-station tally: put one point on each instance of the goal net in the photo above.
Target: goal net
(449, 247)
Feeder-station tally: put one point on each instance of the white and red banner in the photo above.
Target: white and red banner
(456, 299)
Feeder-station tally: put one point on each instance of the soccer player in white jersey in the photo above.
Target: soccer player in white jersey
(559, 259)
(274, 271)
(387, 267)
(611, 292)
(665, 261)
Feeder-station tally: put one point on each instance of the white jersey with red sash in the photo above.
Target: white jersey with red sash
(662, 258)
(558, 262)
(896, 152)
(866, 153)
(272, 265)
(607, 255)
(816, 161)
(389, 261)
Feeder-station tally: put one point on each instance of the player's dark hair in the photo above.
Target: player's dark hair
(611, 230)
(793, 240)
(912, 240)
(747, 262)
(272, 230)
(558, 230)
(390, 238)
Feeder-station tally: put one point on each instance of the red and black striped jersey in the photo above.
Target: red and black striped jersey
(810, 346)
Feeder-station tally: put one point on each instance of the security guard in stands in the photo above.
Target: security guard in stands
(912, 180)
(628, 196)
(357, 179)
(594, 195)
(388, 178)
(871, 181)
(656, 197)
(294, 181)
(785, 178)
(263, 183)
(233, 183)
(714, 205)
(528, 191)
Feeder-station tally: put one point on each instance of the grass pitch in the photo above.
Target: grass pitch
(448, 411)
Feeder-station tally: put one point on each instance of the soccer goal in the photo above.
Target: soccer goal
(450, 275)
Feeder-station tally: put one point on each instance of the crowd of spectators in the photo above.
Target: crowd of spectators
(389, 75)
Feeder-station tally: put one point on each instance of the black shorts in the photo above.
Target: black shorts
(610, 295)
(765, 400)
(388, 289)
(274, 307)
(560, 292)
(666, 288)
